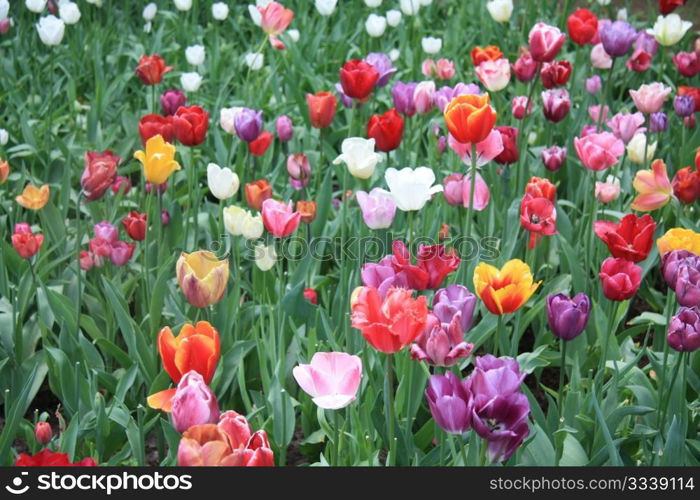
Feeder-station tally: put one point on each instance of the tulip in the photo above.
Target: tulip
(626, 126)
(195, 55)
(382, 63)
(441, 344)
(668, 6)
(510, 151)
(598, 151)
(202, 277)
(452, 189)
(106, 231)
(409, 7)
(431, 45)
(654, 188)
(51, 30)
(25, 242)
(673, 261)
(378, 208)
(151, 69)
(152, 125)
(684, 105)
(47, 458)
(274, 18)
(190, 125)
(525, 67)
(503, 422)
(36, 6)
(442, 97)
(553, 158)
(402, 95)
(411, 188)
(490, 53)
(386, 129)
(375, 25)
(470, 118)
(444, 69)
(34, 198)
(504, 291)
(631, 239)
(299, 170)
(437, 262)
(158, 160)
(668, 30)
(617, 38)
(609, 190)
(582, 25)
(555, 74)
(100, 171)
(325, 7)
(639, 150)
(555, 104)
(450, 402)
(120, 253)
(518, 105)
(183, 5)
(494, 75)
(331, 379)
(171, 100)
(545, 42)
(284, 128)
(593, 84)
(423, 97)
(393, 17)
(568, 317)
(649, 98)
(684, 330)
(307, 209)
(493, 377)
(100, 248)
(69, 12)
(693, 92)
(259, 146)
(4, 171)
(265, 257)
(254, 61)
(321, 109)
(688, 63)
(359, 157)
(658, 122)
(311, 295)
(599, 58)
(538, 216)
(219, 11)
(149, 12)
(390, 324)
(679, 239)
(686, 185)
(135, 225)
(500, 10)
(482, 195)
(280, 219)
(358, 79)
(248, 124)
(619, 278)
(383, 276)
(43, 433)
(194, 403)
(541, 188)
(223, 183)
(453, 301)
(257, 192)
(238, 221)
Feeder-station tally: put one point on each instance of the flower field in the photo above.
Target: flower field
(349, 233)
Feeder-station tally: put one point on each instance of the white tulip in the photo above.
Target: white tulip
(373, 4)
(4, 137)
(393, 17)
(51, 30)
(4, 9)
(36, 6)
(622, 14)
(293, 34)
(254, 61)
(265, 257)
(410, 7)
(183, 5)
(195, 54)
(191, 81)
(219, 11)
(636, 149)
(234, 217)
(431, 45)
(500, 10)
(359, 157)
(255, 14)
(227, 117)
(394, 54)
(253, 227)
(668, 30)
(149, 12)
(375, 25)
(223, 182)
(325, 7)
(69, 12)
(411, 189)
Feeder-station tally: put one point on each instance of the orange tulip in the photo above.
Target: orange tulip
(256, 192)
(307, 209)
(679, 239)
(392, 324)
(506, 290)
(470, 118)
(653, 186)
(4, 171)
(34, 198)
(197, 348)
(490, 53)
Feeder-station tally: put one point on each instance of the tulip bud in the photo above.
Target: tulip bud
(299, 170)
(285, 128)
(265, 257)
(164, 218)
(194, 403)
(593, 84)
(311, 295)
(121, 183)
(43, 433)
(86, 260)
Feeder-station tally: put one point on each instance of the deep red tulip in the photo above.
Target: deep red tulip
(686, 184)
(619, 278)
(510, 153)
(190, 125)
(582, 25)
(386, 130)
(135, 225)
(555, 74)
(151, 69)
(321, 108)
(47, 458)
(631, 239)
(358, 78)
(259, 146)
(668, 6)
(152, 125)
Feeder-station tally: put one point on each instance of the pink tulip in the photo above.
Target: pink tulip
(378, 208)
(274, 18)
(486, 150)
(441, 344)
(594, 112)
(194, 403)
(627, 125)
(445, 69)
(545, 42)
(653, 186)
(452, 189)
(494, 75)
(518, 106)
(649, 98)
(423, 97)
(599, 151)
(553, 158)
(599, 58)
(331, 379)
(280, 219)
(607, 191)
(120, 252)
(556, 104)
(481, 192)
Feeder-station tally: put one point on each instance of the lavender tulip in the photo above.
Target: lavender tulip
(617, 38)
(567, 317)
(502, 421)
(684, 105)
(494, 377)
(684, 330)
(658, 122)
(449, 402)
(672, 261)
(284, 128)
(402, 95)
(452, 300)
(688, 286)
(248, 124)
(171, 100)
(378, 208)
(347, 101)
(382, 63)
(194, 403)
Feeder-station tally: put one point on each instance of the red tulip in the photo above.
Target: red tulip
(190, 125)
(416, 277)
(631, 239)
(539, 187)
(386, 130)
(686, 184)
(582, 25)
(668, 6)
(152, 125)
(358, 78)
(259, 146)
(510, 153)
(437, 262)
(311, 295)
(151, 69)
(321, 108)
(539, 217)
(25, 242)
(47, 458)
(619, 278)
(135, 225)
(100, 171)
(555, 74)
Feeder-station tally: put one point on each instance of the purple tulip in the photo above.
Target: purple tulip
(441, 344)
(553, 158)
(684, 105)
(684, 330)
(444, 96)
(626, 125)
(285, 128)
(646, 42)
(248, 124)
(567, 317)
(449, 402)
(593, 84)
(347, 101)
(658, 122)
(402, 94)
(494, 376)
(688, 286)
(194, 403)
(454, 299)
(502, 421)
(107, 231)
(382, 63)
(617, 38)
(382, 276)
(672, 261)
(172, 99)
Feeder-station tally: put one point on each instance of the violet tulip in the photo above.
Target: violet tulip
(673, 261)
(567, 317)
(382, 63)
(449, 402)
(617, 38)
(172, 99)
(688, 285)
(402, 95)
(452, 300)
(248, 124)
(684, 330)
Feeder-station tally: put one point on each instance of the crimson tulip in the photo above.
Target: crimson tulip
(631, 239)
(259, 146)
(152, 125)
(190, 125)
(151, 69)
(135, 225)
(386, 130)
(619, 278)
(358, 79)
(582, 25)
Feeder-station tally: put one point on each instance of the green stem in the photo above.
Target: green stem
(605, 94)
(336, 439)
(562, 372)
(470, 208)
(462, 449)
(662, 378)
(679, 360)
(391, 414)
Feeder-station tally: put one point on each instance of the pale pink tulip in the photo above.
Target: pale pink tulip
(423, 97)
(607, 191)
(626, 125)
(599, 151)
(482, 194)
(599, 58)
(594, 112)
(331, 379)
(494, 75)
(649, 98)
(486, 150)
(274, 18)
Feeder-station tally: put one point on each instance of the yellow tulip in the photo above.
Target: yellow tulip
(202, 277)
(504, 290)
(34, 198)
(679, 239)
(158, 160)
